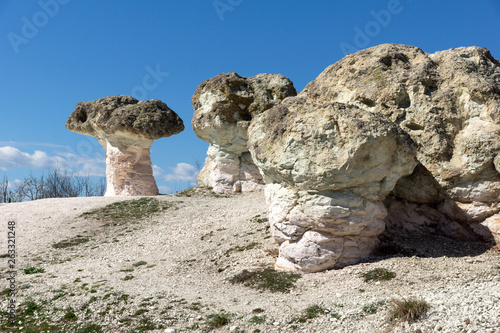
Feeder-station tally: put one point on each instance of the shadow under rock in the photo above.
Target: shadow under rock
(427, 246)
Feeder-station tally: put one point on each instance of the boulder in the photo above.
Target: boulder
(126, 128)
(327, 169)
(224, 106)
(449, 104)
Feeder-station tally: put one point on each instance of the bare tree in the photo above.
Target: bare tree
(4, 185)
(56, 184)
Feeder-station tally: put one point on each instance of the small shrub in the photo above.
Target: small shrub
(31, 307)
(146, 325)
(139, 263)
(378, 274)
(310, 313)
(70, 315)
(267, 279)
(373, 307)
(241, 248)
(33, 270)
(129, 210)
(257, 319)
(407, 309)
(258, 310)
(217, 320)
(128, 277)
(70, 242)
(140, 311)
(89, 328)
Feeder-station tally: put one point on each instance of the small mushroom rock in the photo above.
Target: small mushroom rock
(224, 107)
(126, 128)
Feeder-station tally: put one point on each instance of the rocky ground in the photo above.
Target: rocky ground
(172, 271)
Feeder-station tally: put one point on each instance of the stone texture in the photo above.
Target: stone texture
(449, 103)
(224, 106)
(388, 136)
(126, 128)
(328, 168)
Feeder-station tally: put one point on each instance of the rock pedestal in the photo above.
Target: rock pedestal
(126, 128)
(224, 107)
(327, 169)
(128, 167)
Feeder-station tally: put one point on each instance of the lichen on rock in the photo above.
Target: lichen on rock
(389, 139)
(126, 128)
(328, 168)
(224, 106)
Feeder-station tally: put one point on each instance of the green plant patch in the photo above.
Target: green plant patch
(310, 313)
(241, 248)
(33, 270)
(372, 308)
(267, 279)
(6, 255)
(129, 210)
(70, 315)
(217, 320)
(139, 263)
(89, 328)
(257, 320)
(70, 242)
(409, 310)
(378, 274)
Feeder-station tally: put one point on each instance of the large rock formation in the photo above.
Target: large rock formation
(224, 106)
(389, 135)
(126, 128)
(387, 138)
(449, 103)
(328, 168)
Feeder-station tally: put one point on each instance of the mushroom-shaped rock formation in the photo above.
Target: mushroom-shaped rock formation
(449, 104)
(224, 106)
(327, 168)
(388, 136)
(126, 128)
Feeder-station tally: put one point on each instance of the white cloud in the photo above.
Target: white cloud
(183, 172)
(13, 184)
(84, 165)
(12, 158)
(29, 144)
(164, 189)
(157, 171)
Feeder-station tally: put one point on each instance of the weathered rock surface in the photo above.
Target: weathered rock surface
(449, 103)
(388, 136)
(328, 168)
(126, 128)
(224, 106)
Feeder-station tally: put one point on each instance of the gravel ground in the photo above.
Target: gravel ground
(170, 272)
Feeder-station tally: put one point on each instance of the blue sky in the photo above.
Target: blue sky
(56, 53)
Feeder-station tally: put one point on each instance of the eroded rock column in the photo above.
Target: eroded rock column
(128, 167)
(327, 169)
(224, 107)
(126, 128)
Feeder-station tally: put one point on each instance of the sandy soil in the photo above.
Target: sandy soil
(170, 272)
